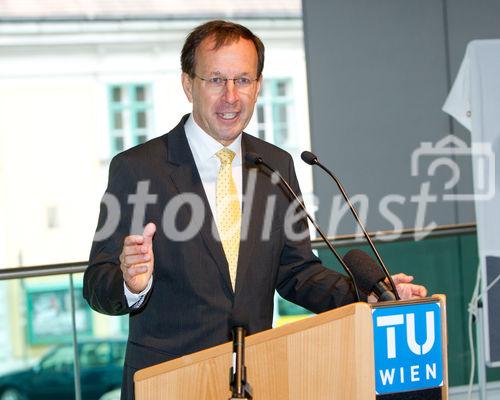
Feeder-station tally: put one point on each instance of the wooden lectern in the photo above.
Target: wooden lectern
(327, 356)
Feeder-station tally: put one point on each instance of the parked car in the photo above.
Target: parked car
(52, 378)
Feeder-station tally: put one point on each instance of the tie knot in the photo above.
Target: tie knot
(225, 155)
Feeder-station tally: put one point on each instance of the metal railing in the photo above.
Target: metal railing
(399, 235)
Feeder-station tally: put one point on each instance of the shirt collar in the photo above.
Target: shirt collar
(205, 146)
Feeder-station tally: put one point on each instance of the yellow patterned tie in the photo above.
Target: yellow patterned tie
(228, 211)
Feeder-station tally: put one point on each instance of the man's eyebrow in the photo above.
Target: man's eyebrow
(218, 73)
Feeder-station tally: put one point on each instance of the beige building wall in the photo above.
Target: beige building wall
(55, 140)
(54, 119)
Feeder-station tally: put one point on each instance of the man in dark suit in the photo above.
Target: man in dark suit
(222, 235)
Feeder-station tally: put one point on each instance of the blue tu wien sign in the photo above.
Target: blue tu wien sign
(408, 352)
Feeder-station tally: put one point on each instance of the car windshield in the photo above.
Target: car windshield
(59, 360)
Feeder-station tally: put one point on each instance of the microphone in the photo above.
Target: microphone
(311, 159)
(256, 159)
(369, 276)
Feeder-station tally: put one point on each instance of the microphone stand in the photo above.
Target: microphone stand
(256, 160)
(240, 388)
(311, 159)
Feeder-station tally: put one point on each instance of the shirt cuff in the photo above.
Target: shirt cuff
(135, 300)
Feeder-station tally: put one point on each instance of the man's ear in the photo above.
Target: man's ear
(260, 82)
(187, 85)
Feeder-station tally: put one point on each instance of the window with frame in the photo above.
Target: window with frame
(274, 113)
(131, 115)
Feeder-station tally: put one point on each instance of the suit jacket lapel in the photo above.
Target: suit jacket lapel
(186, 178)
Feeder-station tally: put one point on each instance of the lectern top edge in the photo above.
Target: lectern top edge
(261, 337)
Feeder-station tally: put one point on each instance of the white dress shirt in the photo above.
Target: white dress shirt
(204, 147)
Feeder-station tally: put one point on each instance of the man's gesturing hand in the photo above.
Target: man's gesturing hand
(406, 289)
(137, 259)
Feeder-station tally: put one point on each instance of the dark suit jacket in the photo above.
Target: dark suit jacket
(191, 305)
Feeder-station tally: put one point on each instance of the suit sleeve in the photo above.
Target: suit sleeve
(302, 279)
(103, 285)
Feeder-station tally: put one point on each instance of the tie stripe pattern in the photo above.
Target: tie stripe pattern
(228, 211)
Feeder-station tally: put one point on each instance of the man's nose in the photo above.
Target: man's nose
(230, 93)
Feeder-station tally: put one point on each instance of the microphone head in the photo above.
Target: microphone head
(309, 158)
(366, 271)
(253, 158)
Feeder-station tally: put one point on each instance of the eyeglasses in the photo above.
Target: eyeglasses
(218, 82)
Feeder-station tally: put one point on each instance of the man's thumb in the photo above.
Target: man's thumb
(149, 231)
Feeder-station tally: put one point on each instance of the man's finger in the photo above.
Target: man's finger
(149, 231)
(136, 270)
(419, 291)
(408, 291)
(135, 250)
(133, 239)
(402, 278)
(136, 259)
